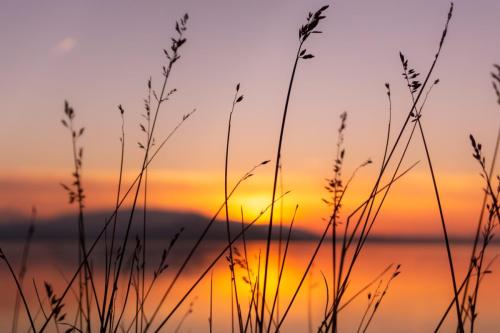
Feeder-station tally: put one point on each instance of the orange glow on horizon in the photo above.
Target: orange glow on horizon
(410, 208)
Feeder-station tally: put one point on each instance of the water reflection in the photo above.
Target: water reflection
(414, 303)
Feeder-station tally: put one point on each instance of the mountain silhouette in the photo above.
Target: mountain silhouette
(161, 224)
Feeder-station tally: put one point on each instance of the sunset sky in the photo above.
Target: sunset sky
(100, 54)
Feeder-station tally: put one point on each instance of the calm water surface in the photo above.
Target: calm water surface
(414, 302)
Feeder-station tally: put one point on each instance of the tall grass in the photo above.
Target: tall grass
(304, 33)
(234, 289)
(126, 260)
(22, 270)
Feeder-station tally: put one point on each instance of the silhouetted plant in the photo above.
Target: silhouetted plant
(4, 258)
(22, 270)
(76, 194)
(350, 232)
(484, 232)
(237, 99)
(374, 301)
(413, 86)
(304, 32)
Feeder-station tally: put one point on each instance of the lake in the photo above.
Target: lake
(414, 302)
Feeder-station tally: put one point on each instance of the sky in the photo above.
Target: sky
(99, 54)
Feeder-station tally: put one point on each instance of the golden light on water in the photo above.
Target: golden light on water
(424, 295)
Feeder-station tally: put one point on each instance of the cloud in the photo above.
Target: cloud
(65, 45)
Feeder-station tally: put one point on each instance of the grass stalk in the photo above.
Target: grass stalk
(282, 267)
(305, 31)
(19, 288)
(236, 100)
(210, 316)
(22, 271)
(115, 216)
(161, 98)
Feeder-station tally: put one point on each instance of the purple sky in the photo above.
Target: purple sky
(99, 54)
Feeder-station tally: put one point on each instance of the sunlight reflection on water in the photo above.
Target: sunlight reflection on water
(414, 303)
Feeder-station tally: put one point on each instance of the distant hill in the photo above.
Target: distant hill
(160, 225)
(163, 224)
